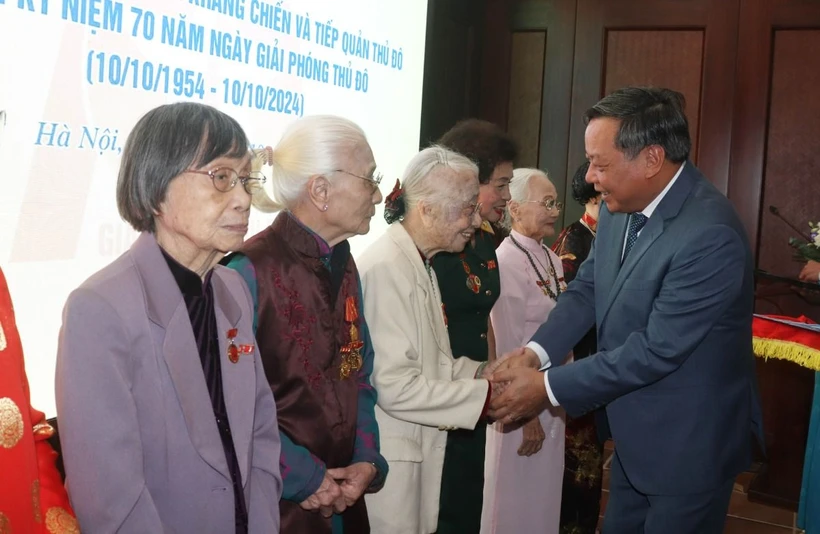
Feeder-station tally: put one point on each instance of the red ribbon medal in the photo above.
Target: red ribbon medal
(351, 352)
(234, 350)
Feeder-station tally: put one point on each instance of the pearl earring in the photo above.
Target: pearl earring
(324, 208)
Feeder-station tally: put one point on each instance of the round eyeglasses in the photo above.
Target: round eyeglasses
(550, 204)
(375, 179)
(225, 179)
(466, 210)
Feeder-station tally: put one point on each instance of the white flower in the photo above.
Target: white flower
(815, 234)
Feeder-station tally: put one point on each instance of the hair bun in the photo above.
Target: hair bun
(394, 206)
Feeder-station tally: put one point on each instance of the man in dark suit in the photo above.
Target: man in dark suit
(669, 286)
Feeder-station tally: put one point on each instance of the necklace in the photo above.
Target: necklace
(543, 284)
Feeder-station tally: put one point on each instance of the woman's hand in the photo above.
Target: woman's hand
(810, 272)
(327, 499)
(353, 480)
(533, 437)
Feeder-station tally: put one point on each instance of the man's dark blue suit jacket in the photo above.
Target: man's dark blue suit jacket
(675, 367)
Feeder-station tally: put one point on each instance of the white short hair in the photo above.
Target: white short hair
(419, 184)
(520, 190)
(310, 146)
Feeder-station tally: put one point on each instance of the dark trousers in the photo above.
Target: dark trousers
(629, 511)
(462, 482)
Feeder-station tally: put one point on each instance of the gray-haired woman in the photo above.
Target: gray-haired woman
(524, 461)
(166, 421)
(423, 390)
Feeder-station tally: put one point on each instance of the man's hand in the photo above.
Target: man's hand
(524, 394)
(810, 272)
(533, 437)
(522, 357)
(353, 480)
(327, 499)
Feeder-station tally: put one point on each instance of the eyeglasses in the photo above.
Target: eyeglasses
(225, 179)
(550, 204)
(455, 211)
(374, 180)
(469, 210)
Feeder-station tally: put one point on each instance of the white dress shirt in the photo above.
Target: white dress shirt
(538, 349)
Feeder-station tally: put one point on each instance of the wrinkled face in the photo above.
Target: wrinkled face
(454, 221)
(621, 182)
(354, 195)
(495, 194)
(532, 218)
(196, 216)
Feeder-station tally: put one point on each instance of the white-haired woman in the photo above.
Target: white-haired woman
(423, 390)
(309, 322)
(525, 461)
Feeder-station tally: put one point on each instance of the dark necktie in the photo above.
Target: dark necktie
(636, 222)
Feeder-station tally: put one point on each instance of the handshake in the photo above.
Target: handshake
(518, 386)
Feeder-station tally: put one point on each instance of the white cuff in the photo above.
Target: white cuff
(553, 400)
(541, 353)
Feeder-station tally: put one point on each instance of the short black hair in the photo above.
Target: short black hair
(166, 142)
(582, 191)
(483, 142)
(649, 116)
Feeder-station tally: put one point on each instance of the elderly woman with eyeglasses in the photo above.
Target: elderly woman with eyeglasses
(424, 391)
(167, 423)
(310, 325)
(524, 462)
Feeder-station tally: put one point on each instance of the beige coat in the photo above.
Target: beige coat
(422, 390)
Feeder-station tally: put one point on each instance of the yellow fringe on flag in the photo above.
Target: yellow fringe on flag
(787, 350)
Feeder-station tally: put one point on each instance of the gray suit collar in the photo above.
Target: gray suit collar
(162, 294)
(166, 308)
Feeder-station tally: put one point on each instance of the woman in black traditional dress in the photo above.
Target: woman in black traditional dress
(583, 456)
(470, 285)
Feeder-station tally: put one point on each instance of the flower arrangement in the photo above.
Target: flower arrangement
(808, 249)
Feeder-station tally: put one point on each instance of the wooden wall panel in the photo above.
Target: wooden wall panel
(526, 86)
(791, 179)
(717, 21)
(556, 18)
(662, 58)
(758, 21)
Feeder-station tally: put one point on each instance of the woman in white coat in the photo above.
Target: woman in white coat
(422, 390)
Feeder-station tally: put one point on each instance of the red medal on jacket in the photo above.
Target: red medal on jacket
(234, 350)
(351, 352)
(473, 281)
